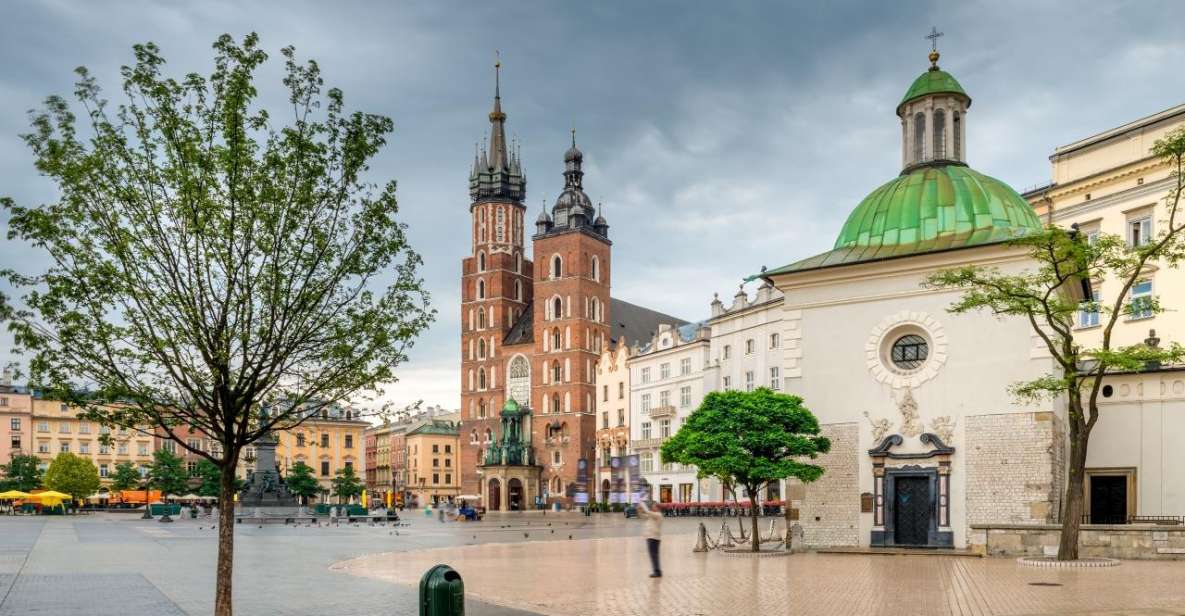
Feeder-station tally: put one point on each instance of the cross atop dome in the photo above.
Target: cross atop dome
(934, 35)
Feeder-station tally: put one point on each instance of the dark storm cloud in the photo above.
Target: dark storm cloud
(720, 136)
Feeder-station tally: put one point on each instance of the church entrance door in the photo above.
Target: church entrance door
(912, 510)
(1108, 499)
(515, 496)
(494, 496)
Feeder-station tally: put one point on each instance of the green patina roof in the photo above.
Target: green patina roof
(511, 407)
(929, 209)
(435, 426)
(933, 81)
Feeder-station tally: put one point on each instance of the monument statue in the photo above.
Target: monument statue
(265, 490)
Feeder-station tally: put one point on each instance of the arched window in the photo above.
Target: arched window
(481, 318)
(518, 382)
(939, 146)
(555, 339)
(596, 270)
(500, 226)
(557, 266)
(957, 136)
(518, 262)
(481, 378)
(557, 309)
(481, 261)
(555, 404)
(473, 436)
(481, 348)
(489, 435)
(595, 310)
(557, 372)
(481, 409)
(481, 289)
(518, 290)
(919, 137)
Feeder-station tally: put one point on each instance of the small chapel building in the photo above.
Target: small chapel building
(926, 439)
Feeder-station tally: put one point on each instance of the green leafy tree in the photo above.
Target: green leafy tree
(209, 476)
(301, 482)
(23, 474)
(1050, 294)
(73, 475)
(751, 438)
(212, 264)
(126, 477)
(346, 484)
(167, 473)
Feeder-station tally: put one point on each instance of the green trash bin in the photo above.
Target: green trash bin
(442, 592)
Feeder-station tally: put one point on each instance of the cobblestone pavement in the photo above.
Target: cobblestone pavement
(608, 577)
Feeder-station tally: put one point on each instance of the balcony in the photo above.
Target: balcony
(662, 411)
(648, 443)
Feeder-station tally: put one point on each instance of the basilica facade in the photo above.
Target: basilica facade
(533, 328)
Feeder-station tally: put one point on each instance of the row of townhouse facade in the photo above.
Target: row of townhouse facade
(415, 461)
(45, 428)
(646, 391)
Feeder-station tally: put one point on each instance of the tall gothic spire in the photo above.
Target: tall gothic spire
(498, 156)
(498, 171)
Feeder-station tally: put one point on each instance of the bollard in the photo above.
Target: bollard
(442, 592)
(701, 543)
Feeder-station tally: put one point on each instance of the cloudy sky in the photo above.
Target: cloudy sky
(720, 136)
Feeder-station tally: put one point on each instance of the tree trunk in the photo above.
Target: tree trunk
(1074, 507)
(753, 517)
(223, 605)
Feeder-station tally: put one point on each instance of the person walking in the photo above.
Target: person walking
(652, 530)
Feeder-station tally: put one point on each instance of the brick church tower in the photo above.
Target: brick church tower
(571, 318)
(495, 287)
(533, 335)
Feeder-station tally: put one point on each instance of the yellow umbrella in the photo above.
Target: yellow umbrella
(11, 494)
(364, 498)
(52, 494)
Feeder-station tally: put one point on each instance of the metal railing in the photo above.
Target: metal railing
(1162, 520)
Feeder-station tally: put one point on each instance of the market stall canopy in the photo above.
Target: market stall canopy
(11, 494)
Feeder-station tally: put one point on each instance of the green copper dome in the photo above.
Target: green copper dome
(928, 209)
(933, 81)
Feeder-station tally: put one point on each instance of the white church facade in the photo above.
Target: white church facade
(926, 439)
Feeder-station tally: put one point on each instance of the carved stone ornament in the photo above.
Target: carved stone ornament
(944, 427)
(911, 422)
(880, 427)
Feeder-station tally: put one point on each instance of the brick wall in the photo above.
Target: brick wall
(1014, 467)
(835, 498)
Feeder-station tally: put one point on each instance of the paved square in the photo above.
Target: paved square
(518, 565)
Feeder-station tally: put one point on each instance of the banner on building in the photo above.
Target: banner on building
(617, 487)
(580, 493)
(637, 485)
